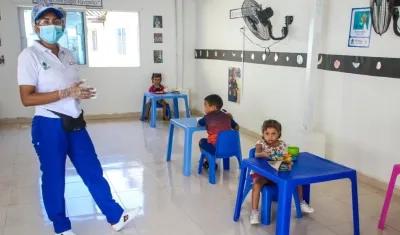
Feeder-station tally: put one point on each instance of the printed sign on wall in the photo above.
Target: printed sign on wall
(87, 3)
(234, 82)
(360, 27)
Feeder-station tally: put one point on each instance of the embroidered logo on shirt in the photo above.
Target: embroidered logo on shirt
(46, 66)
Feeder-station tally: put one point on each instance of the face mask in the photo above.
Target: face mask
(51, 33)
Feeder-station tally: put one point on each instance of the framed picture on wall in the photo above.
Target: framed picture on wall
(234, 84)
(2, 61)
(158, 57)
(158, 22)
(158, 38)
(360, 28)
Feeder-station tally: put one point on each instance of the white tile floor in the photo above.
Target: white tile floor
(133, 159)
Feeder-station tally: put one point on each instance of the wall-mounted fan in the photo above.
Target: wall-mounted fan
(258, 20)
(381, 15)
(396, 16)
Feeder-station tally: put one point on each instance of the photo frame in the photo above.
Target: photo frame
(158, 38)
(157, 22)
(158, 56)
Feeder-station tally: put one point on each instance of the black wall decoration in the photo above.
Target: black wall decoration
(254, 57)
(363, 65)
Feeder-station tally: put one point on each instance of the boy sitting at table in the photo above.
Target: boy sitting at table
(157, 88)
(215, 121)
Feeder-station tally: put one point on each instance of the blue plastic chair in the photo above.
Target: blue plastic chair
(168, 114)
(228, 145)
(269, 193)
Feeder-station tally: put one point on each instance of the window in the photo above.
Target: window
(73, 38)
(117, 39)
(112, 38)
(121, 43)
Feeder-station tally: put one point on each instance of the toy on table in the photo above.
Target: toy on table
(281, 162)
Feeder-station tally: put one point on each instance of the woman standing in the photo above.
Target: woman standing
(48, 79)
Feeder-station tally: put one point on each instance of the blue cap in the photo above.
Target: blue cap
(39, 9)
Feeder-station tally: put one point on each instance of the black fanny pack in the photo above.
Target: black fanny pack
(71, 124)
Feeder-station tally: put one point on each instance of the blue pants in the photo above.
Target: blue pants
(210, 148)
(52, 145)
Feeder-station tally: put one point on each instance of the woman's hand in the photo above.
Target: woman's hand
(77, 91)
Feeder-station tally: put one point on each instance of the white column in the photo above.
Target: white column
(313, 79)
(179, 43)
(310, 138)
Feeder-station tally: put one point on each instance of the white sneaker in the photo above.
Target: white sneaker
(126, 217)
(306, 208)
(255, 217)
(69, 232)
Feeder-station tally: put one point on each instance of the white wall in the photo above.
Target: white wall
(120, 89)
(268, 91)
(360, 113)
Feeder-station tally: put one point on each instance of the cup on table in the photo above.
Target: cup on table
(294, 151)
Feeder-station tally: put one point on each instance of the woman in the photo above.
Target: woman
(48, 80)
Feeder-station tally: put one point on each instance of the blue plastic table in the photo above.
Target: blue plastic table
(308, 169)
(155, 97)
(189, 125)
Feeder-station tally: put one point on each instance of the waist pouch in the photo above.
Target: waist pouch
(71, 124)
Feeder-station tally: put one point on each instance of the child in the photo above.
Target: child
(215, 121)
(270, 144)
(157, 88)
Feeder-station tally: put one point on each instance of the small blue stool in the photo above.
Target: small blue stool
(269, 193)
(228, 145)
(168, 111)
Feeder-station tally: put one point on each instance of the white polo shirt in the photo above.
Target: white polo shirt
(39, 67)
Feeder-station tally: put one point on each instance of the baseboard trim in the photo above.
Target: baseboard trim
(89, 117)
(371, 181)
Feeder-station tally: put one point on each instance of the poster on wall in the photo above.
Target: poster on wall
(234, 81)
(158, 57)
(86, 3)
(157, 22)
(360, 27)
(158, 38)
